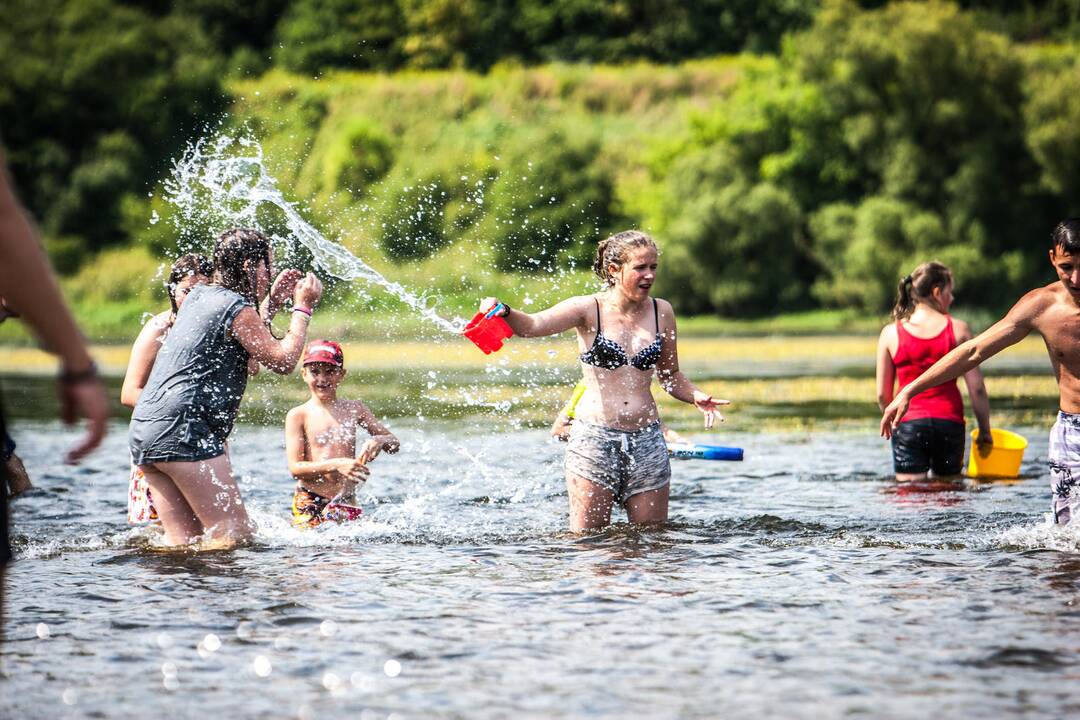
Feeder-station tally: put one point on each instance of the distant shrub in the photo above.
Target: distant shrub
(361, 156)
(315, 35)
(119, 275)
(414, 225)
(550, 204)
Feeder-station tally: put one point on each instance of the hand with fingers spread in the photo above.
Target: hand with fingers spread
(709, 405)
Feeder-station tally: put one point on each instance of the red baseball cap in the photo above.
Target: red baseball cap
(324, 351)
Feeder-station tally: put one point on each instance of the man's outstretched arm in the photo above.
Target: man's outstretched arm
(1011, 329)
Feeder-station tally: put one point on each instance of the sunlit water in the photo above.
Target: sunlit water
(801, 583)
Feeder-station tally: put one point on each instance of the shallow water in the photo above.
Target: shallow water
(800, 583)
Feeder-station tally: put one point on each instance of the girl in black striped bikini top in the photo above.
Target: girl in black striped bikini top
(607, 354)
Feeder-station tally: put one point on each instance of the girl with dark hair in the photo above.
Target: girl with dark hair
(616, 452)
(184, 414)
(931, 436)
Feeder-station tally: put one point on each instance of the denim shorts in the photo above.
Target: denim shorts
(626, 462)
(929, 444)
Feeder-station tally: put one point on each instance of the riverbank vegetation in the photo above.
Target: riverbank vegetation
(793, 158)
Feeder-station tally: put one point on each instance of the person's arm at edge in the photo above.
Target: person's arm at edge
(27, 282)
(672, 379)
(141, 361)
(1011, 329)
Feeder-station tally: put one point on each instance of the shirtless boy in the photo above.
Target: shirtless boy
(1054, 312)
(320, 441)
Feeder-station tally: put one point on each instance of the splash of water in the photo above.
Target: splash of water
(224, 183)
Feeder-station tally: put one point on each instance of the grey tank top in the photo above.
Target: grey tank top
(187, 408)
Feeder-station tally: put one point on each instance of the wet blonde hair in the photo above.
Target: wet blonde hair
(614, 250)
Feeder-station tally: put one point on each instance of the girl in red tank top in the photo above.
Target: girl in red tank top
(930, 437)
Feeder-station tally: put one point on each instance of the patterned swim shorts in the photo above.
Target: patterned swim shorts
(626, 462)
(1064, 466)
(311, 509)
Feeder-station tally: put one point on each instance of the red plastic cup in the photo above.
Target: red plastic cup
(488, 333)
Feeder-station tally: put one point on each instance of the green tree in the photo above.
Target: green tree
(96, 96)
(359, 34)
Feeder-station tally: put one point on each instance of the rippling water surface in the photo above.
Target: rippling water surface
(800, 583)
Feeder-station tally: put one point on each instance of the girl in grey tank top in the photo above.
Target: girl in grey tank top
(191, 398)
(189, 404)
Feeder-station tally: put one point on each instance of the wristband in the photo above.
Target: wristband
(305, 311)
(67, 377)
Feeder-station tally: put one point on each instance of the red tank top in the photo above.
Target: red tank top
(913, 357)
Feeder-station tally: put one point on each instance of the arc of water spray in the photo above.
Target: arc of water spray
(238, 184)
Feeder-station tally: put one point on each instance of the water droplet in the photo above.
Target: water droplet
(154, 217)
(211, 642)
(163, 640)
(392, 668)
(43, 631)
(168, 669)
(262, 666)
(331, 681)
(328, 628)
(70, 696)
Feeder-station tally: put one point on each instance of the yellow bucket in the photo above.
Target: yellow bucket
(1004, 458)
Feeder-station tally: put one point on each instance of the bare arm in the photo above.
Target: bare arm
(976, 387)
(280, 356)
(313, 472)
(143, 354)
(886, 368)
(1010, 330)
(569, 313)
(28, 285)
(672, 379)
(381, 437)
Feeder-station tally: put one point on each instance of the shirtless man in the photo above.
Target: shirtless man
(1054, 312)
(320, 441)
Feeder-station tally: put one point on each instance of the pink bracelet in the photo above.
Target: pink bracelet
(304, 310)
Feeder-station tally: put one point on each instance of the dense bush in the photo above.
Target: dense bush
(892, 136)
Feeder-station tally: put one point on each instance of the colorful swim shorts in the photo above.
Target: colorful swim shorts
(1065, 466)
(626, 462)
(140, 502)
(311, 509)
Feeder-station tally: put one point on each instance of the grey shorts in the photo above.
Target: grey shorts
(1065, 466)
(626, 462)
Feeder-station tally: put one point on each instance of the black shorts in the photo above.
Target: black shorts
(929, 444)
(5, 542)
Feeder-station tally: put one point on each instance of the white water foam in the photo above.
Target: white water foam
(223, 182)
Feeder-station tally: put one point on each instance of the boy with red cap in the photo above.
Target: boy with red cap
(320, 441)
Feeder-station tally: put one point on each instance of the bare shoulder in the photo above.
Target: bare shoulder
(297, 415)
(163, 320)
(961, 330)
(888, 333)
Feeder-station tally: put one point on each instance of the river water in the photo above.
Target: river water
(801, 583)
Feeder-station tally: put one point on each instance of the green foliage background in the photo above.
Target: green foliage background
(789, 155)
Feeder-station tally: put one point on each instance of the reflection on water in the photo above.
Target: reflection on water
(802, 583)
